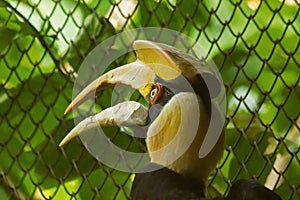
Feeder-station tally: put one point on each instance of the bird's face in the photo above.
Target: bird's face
(157, 93)
(178, 97)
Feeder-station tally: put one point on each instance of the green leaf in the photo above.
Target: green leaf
(94, 32)
(106, 182)
(26, 122)
(4, 192)
(291, 179)
(6, 37)
(62, 166)
(17, 68)
(248, 149)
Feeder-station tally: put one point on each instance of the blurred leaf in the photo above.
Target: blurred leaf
(293, 145)
(22, 50)
(291, 179)
(103, 8)
(32, 104)
(256, 50)
(124, 140)
(13, 169)
(16, 68)
(61, 166)
(94, 32)
(106, 182)
(4, 192)
(26, 29)
(144, 16)
(8, 27)
(6, 37)
(173, 15)
(246, 154)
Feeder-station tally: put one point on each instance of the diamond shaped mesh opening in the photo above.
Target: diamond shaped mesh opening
(254, 43)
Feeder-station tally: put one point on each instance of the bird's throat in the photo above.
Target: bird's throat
(175, 137)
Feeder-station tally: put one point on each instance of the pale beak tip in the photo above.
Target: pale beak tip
(63, 142)
(73, 133)
(69, 109)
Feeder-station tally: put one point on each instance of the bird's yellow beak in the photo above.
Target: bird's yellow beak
(151, 61)
(137, 75)
(125, 113)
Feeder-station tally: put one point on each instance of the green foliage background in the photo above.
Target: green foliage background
(256, 50)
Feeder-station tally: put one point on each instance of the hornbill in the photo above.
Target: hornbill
(178, 89)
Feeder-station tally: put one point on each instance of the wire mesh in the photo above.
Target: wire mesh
(254, 43)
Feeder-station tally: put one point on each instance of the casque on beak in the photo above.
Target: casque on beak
(178, 83)
(151, 62)
(154, 61)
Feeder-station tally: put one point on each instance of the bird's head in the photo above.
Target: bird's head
(179, 89)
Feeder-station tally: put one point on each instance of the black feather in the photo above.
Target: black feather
(165, 184)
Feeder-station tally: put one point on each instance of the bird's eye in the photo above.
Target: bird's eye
(153, 92)
(156, 93)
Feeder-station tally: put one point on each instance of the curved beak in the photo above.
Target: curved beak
(125, 113)
(137, 75)
(153, 60)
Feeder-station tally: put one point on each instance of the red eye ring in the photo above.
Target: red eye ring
(156, 93)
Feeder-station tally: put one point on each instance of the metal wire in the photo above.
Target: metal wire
(254, 43)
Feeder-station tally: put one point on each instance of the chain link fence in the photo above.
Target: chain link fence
(254, 43)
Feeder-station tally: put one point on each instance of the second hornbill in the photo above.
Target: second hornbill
(177, 120)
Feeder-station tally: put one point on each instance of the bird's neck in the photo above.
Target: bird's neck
(179, 153)
(190, 165)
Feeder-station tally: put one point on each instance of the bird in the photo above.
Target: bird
(249, 189)
(180, 90)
